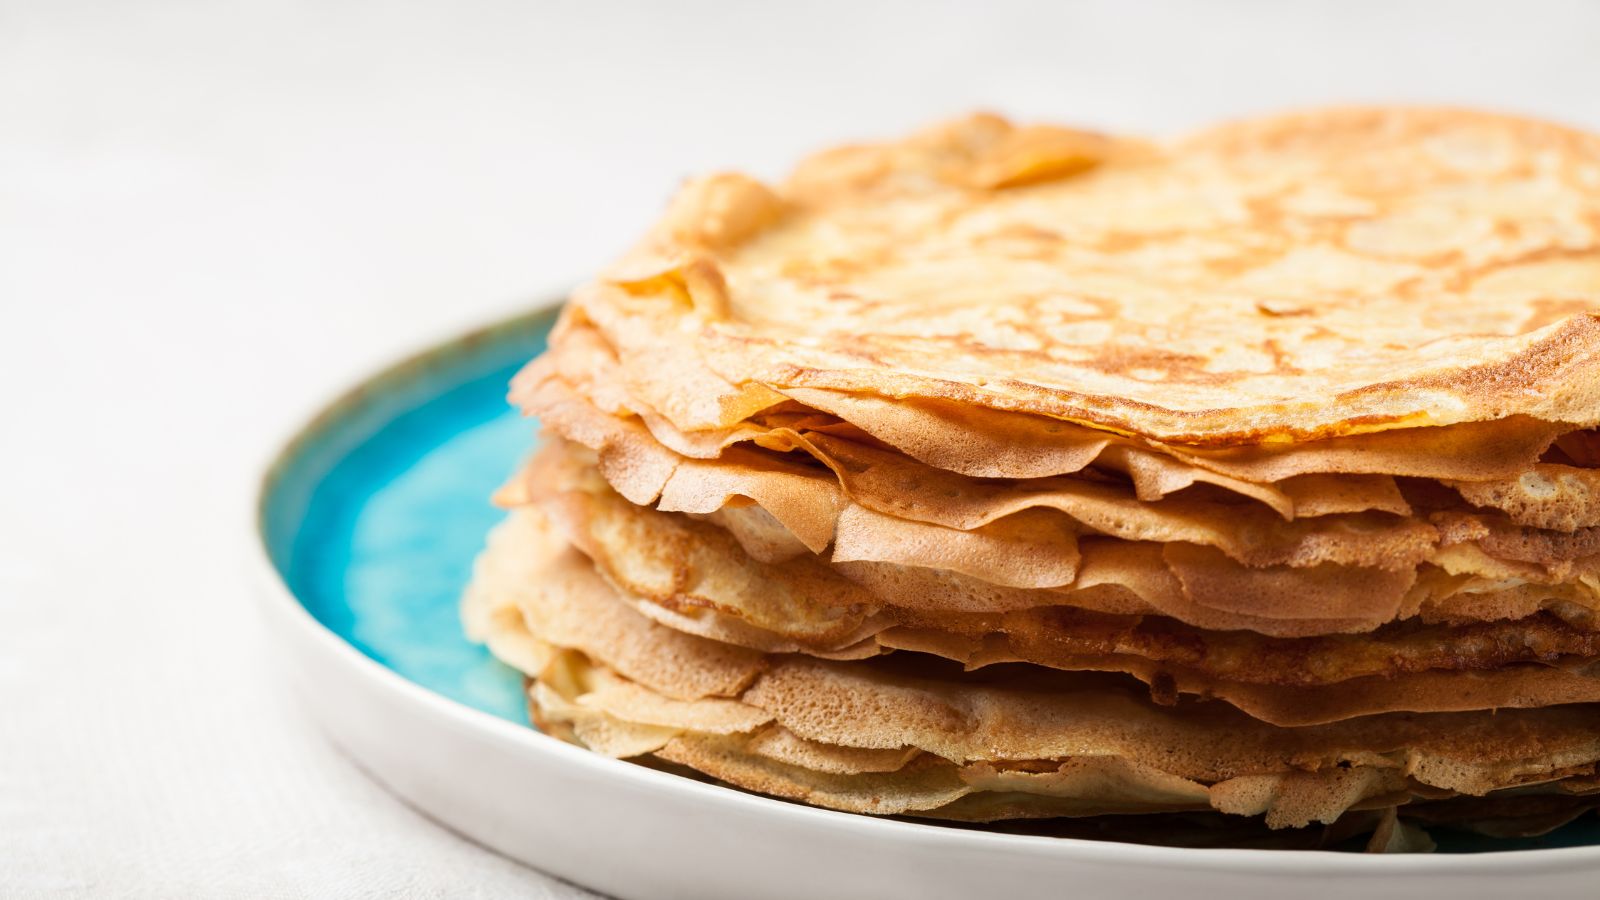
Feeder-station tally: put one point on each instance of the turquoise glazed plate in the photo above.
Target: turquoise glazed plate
(367, 522)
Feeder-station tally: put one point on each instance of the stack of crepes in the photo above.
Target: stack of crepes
(1012, 472)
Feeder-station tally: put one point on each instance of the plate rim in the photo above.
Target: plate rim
(277, 601)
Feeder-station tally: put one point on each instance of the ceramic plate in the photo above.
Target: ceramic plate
(367, 523)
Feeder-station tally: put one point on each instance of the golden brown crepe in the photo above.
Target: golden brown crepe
(917, 739)
(696, 578)
(1296, 277)
(1020, 472)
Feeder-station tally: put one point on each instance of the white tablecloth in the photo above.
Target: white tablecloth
(210, 213)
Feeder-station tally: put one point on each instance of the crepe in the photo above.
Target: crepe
(1357, 571)
(695, 578)
(582, 370)
(893, 741)
(1243, 482)
(977, 441)
(1200, 291)
(1360, 520)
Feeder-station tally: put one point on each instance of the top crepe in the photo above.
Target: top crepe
(1284, 279)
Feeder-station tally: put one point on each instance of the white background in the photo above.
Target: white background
(210, 213)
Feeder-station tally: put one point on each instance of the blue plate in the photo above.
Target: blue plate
(374, 518)
(374, 514)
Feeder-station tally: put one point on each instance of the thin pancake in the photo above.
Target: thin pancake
(1293, 776)
(1293, 277)
(693, 578)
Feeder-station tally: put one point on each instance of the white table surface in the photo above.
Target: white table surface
(210, 213)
